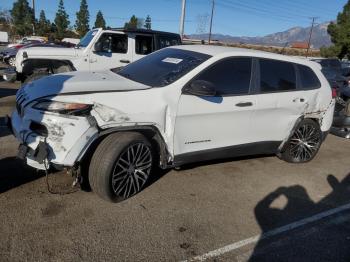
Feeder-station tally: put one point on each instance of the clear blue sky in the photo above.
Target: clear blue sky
(234, 17)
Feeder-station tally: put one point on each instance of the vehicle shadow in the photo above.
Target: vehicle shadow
(221, 161)
(4, 92)
(4, 131)
(305, 243)
(15, 173)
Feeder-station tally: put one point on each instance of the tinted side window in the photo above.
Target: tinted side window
(276, 76)
(230, 76)
(144, 44)
(308, 79)
(114, 43)
(165, 41)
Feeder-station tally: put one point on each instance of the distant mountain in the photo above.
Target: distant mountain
(320, 37)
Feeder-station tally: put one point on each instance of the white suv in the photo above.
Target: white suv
(178, 105)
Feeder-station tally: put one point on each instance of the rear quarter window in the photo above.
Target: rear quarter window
(276, 76)
(308, 78)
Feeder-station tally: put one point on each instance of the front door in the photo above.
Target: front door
(115, 50)
(221, 121)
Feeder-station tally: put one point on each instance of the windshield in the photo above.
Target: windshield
(85, 41)
(163, 67)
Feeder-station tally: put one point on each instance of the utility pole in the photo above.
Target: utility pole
(309, 42)
(182, 19)
(211, 20)
(33, 5)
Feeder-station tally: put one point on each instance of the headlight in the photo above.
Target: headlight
(63, 108)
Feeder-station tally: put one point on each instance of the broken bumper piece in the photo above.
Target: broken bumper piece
(64, 145)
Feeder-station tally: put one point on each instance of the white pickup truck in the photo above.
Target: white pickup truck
(98, 50)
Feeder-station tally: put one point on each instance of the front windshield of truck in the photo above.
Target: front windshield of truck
(85, 41)
(163, 67)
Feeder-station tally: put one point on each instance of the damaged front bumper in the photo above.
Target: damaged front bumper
(65, 142)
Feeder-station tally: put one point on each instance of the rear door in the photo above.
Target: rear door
(280, 100)
(224, 120)
(115, 52)
(143, 45)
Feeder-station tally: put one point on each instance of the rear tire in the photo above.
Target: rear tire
(121, 166)
(304, 144)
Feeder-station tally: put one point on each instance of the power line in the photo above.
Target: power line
(264, 10)
(254, 10)
(256, 13)
(309, 42)
(291, 9)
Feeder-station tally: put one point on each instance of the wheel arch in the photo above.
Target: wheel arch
(283, 145)
(150, 132)
(32, 65)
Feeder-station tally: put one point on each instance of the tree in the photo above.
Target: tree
(43, 25)
(330, 52)
(6, 21)
(82, 22)
(61, 21)
(339, 33)
(100, 21)
(134, 23)
(53, 32)
(148, 23)
(23, 17)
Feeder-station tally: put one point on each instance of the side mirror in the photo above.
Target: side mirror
(200, 88)
(97, 47)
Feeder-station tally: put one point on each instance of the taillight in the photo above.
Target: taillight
(334, 93)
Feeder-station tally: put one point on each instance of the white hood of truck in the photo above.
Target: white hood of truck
(50, 52)
(78, 83)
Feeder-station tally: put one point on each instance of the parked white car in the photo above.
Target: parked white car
(176, 106)
(97, 50)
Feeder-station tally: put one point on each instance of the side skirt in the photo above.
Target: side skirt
(258, 148)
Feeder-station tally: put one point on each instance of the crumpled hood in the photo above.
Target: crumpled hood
(78, 83)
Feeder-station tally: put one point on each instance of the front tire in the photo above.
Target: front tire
(121, 166)
(304, 144)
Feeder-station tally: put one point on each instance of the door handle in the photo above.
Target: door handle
(300, 100)
(244, 104)
(124, 61)
(93, 60)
